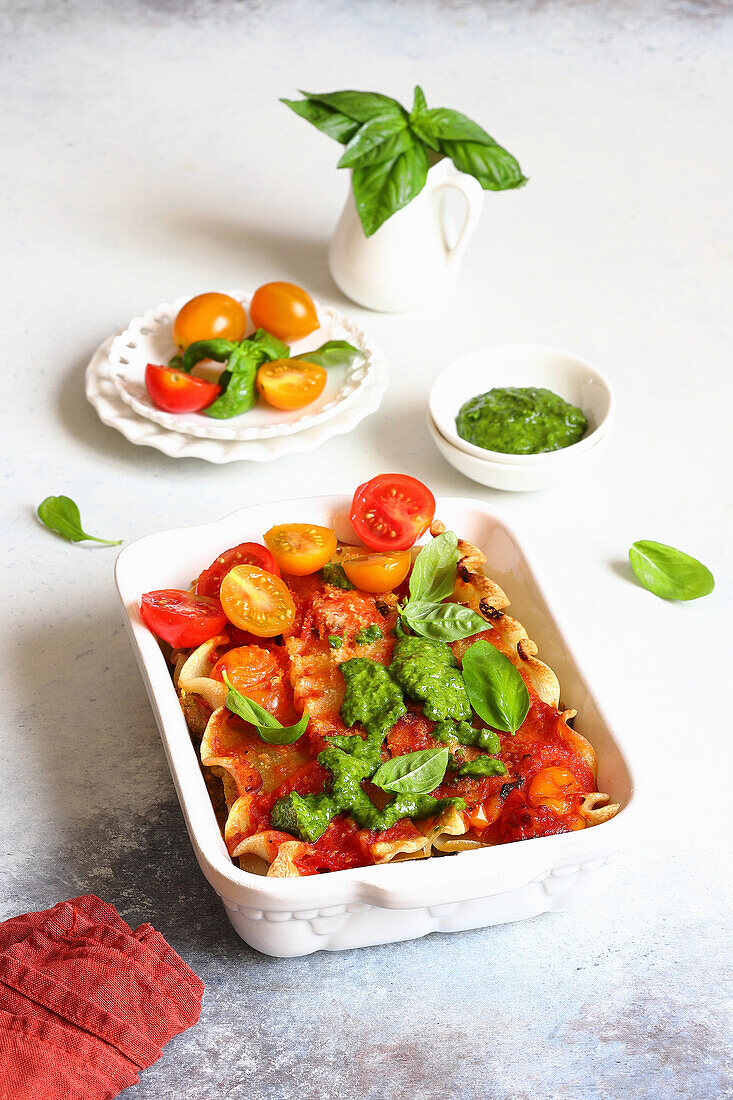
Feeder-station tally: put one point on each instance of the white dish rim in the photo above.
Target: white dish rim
(402, 886)
(447, 428)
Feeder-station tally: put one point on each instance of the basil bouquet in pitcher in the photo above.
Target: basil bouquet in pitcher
(391, 149)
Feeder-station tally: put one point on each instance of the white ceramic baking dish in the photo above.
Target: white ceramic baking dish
(371, 905)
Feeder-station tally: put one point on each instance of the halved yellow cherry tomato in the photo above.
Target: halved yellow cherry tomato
(553, 787)
(285, 310)
(209, 317)
(257, 601)
(378, 572)
(290, 383)
(300, 548)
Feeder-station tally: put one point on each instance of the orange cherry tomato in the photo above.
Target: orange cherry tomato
(209, 317)
(256, 673)
(257, 601)
(553, 787)
(301, 548)
(378, 572)
(177, 392)
(285, 310)
(485, 813)
(290, 383)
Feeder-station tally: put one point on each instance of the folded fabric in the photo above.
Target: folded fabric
(85, 1002)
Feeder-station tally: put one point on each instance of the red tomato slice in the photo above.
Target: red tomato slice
(180, 618)
(175, 391)
(247, 553)
(391, 511)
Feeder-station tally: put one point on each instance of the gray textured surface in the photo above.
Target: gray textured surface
(149, 158)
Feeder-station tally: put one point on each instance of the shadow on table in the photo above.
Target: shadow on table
(112, 824)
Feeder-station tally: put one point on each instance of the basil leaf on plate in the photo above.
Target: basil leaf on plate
(238, 383)
(377, 140)
(334, 353)
(326, 119)
(433, 575)
(414, 773)
(267, 345)
(220, 350)
(61, 515)
(268, 727)
(670, 573)
(361, 106)
(495, 687)
(491, 165)
(382, 189)
(442, 622)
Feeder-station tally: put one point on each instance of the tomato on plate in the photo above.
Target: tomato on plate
(257, 601)
(209, 317)
(180, 618)
(301, 548)
(285, 310)
(378, 572)
(392, 511)
(290, 383)
(175, 391)
(247, 553)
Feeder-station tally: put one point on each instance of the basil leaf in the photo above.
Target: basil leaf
(238, 384)
(481, 766)
(442, 123)
(267, 345)
(669, 573)
(492, 166)
(334, 353)
(382, 189)
(361, 106)
(414, 773)
(326, 119)
(220, 350)
(61, 514)
(268, 727)
(433, 575)
(442, 622)
(377, 140)
(495, 687)
(419, 102)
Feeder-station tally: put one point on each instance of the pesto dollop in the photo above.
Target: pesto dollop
(520, 421)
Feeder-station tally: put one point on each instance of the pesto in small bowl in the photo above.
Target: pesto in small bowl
(520, 421)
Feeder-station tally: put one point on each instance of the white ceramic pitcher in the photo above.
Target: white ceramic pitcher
(407, 263)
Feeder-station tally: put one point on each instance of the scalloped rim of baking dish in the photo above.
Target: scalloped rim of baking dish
(170, 558)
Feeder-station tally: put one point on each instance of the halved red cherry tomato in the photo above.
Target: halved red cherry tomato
(180, 618)
(391, 511)
(378, 572)
(290, 383)
(257, 601)
(285, 310)
(247, 553)
(175, 391)
(209, 317)
(301, 548)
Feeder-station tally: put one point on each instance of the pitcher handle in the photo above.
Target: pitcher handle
(473, 193)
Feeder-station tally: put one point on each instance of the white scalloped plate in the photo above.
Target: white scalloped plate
(148, 339)
(102, 393)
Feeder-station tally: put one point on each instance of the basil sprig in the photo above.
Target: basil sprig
(389, 150)
(669, 573)
(334, 353)
(495, 687)
(433, 577)
(413, 773)
(268, 727)
(61, 515)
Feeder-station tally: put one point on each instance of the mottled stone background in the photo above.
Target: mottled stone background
(145, 156)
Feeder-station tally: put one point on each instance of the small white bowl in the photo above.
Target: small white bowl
(504, 475)
(565, 374)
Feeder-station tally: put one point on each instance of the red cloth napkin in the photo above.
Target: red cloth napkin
(85, 1002)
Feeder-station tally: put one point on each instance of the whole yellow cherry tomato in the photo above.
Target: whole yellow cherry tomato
(209, 317)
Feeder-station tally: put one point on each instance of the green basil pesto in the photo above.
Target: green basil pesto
(334, 575)
(481, 766)
(464, 734)
(520, 421)
(369, 634)
(371, 696)
(428, 673)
